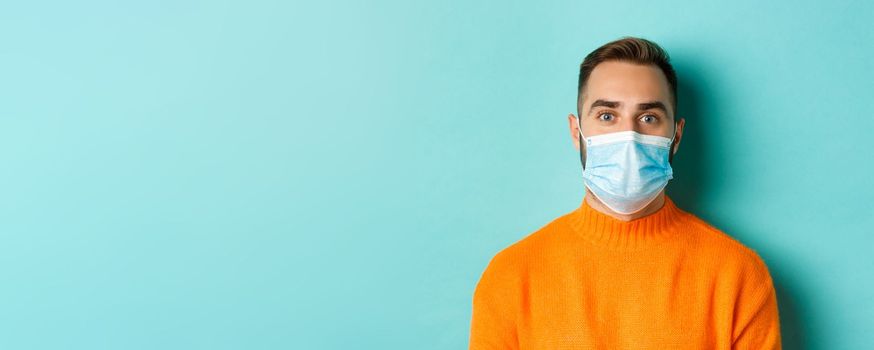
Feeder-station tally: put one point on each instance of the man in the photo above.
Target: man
(627, 269)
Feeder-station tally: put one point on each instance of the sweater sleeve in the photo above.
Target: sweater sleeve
(757, 325)
(493, 322)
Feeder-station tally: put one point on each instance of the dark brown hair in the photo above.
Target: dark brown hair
(631, 49)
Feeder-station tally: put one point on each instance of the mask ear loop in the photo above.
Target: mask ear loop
(582, 139)
(671, 149)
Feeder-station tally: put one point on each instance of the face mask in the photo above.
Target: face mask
(626, 170)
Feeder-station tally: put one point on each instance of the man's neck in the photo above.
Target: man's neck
(652, 207)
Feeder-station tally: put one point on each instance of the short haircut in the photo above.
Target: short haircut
(630, 49)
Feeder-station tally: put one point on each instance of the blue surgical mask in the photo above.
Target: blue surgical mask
(626, 170)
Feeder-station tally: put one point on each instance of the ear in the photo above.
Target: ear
(574, 129)
(680, 124)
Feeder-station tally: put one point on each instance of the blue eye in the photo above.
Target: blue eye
(607, 119)
(649, 118)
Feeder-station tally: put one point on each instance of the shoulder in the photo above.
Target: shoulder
(537, 241)
(512, 261)
(734, 260)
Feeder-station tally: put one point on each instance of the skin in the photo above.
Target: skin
(628, 84)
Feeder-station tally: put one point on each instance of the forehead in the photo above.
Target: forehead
(626, 81)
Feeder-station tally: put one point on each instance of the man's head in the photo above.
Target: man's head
(627, 84)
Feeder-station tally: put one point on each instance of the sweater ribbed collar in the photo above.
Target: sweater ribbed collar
(604, 230)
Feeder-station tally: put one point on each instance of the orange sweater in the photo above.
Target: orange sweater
(589, 281)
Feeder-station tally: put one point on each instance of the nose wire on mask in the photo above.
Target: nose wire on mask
(583, 139)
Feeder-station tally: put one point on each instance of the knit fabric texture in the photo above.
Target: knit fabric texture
(587, 280)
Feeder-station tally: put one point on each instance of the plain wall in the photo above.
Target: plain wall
(337, 174)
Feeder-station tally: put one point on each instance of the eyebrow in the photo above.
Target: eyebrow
(640, 106)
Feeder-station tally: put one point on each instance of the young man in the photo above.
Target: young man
(627, 269)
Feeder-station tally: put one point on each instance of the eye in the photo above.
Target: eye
(649, 119)
(606, 117)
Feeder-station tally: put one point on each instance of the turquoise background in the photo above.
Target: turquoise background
(337, 174)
